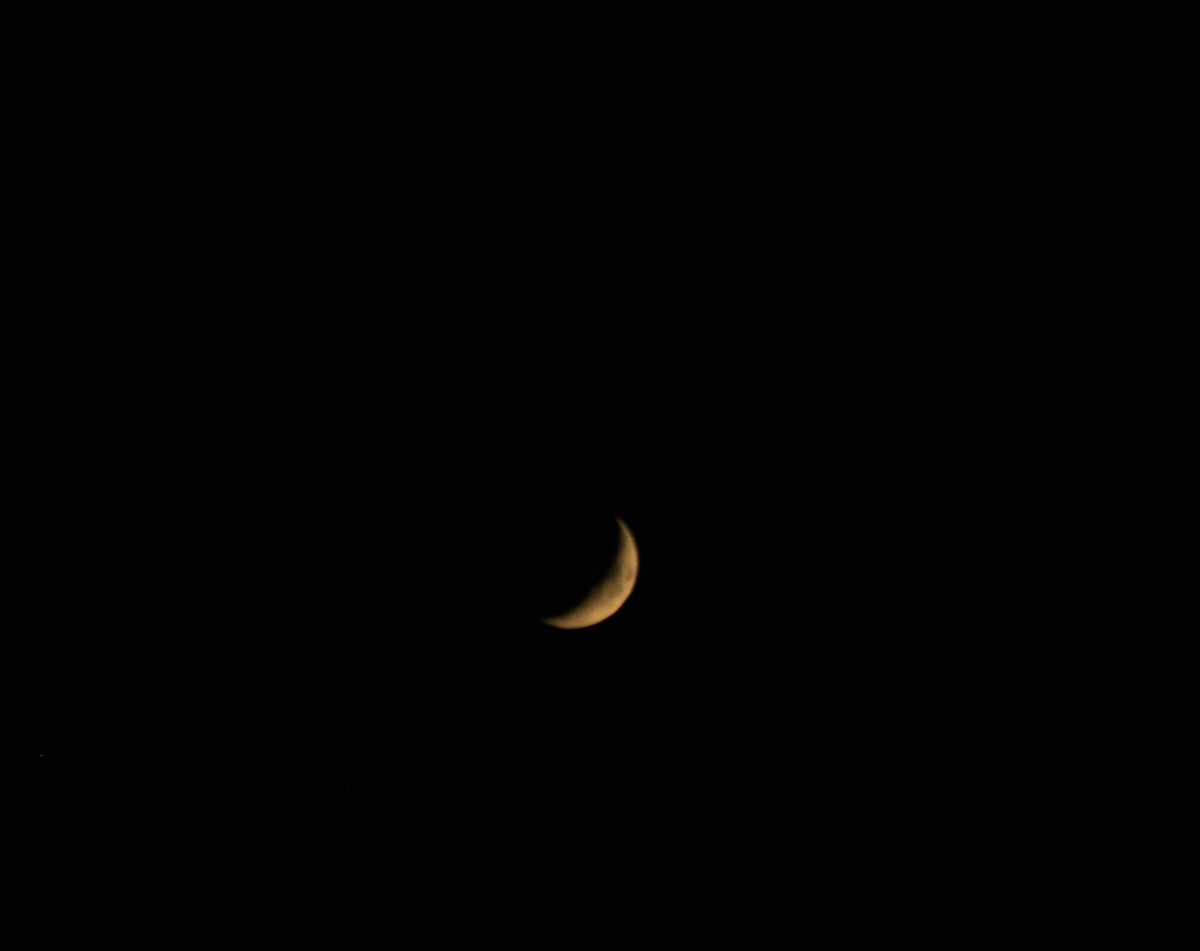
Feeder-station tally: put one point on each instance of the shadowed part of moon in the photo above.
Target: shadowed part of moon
(606, 598)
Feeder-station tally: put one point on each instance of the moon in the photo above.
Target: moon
(606, 598)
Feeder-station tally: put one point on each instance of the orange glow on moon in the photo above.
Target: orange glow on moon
(612, 591)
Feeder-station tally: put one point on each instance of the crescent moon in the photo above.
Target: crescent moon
(606, 598)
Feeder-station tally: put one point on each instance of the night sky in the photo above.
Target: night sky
(344, 356)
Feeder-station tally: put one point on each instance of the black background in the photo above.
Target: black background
(333, 361)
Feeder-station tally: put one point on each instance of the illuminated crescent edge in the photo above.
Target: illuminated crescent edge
(610, 593)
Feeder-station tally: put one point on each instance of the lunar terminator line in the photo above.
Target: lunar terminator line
(610, 593)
